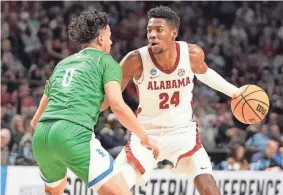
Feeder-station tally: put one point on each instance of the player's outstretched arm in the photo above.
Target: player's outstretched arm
(131, 65)
(125, 115)
(207, 75)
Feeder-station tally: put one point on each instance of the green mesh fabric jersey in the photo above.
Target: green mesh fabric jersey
(76, 87)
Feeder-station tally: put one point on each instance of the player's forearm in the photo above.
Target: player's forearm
(127, 118)
(41, 108)
(217, 82)
(124, 114)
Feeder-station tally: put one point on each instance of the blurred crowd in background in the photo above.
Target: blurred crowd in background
(243, 42)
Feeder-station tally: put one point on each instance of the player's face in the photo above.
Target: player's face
(160, 35)
(105, 39)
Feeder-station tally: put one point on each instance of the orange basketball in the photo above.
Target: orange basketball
(251, 105)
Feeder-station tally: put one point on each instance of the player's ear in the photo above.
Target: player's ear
(100, 38)
(174, 33)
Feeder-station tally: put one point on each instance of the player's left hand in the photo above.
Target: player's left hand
(151, 144)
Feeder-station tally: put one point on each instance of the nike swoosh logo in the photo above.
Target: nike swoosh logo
(203, 168)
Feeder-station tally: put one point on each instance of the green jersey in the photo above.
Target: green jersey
(76, 87)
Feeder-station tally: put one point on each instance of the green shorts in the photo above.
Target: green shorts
(60, 144)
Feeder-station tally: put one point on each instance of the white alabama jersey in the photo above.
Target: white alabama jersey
(165, 96)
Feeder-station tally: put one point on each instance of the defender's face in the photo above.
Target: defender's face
(106, 39)
(160, 34)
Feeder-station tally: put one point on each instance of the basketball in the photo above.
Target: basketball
(251, 105)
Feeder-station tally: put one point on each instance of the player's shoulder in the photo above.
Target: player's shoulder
(195, 50)
(133, 57)
(132, 63)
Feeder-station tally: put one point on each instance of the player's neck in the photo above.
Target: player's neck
(168, 58)
(91, 45)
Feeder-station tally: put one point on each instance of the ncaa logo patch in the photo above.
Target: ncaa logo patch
(181, 72)
(153, 72)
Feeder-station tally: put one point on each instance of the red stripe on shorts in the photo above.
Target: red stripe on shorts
(131, 158)
(192, 151)
(139, 109)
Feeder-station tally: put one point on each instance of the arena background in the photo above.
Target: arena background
(243, 42)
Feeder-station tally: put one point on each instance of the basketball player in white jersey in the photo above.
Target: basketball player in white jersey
(163, 73)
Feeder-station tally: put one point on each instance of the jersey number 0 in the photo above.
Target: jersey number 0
(68, 77)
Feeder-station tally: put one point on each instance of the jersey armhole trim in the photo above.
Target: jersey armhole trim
(189, 59)
(141, 79)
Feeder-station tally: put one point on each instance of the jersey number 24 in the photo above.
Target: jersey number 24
(174, 100)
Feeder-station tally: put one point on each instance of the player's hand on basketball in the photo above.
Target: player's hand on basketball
(238, 92)
(151, 144)
(250, 104)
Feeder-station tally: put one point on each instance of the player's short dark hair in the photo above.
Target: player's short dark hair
(85, 27)
(166, 13)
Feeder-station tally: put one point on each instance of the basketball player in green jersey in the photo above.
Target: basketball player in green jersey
(70, 107)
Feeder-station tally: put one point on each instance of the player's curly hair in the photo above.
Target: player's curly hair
(166, 13)
(85, 27)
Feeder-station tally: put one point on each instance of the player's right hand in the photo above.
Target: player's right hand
(151, 144)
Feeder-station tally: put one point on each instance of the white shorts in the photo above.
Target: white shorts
(182, 147)
(102, 166)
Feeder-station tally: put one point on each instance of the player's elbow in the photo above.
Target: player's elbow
(104, 105)
(117, 106)
(117, 110)
(102, 108)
